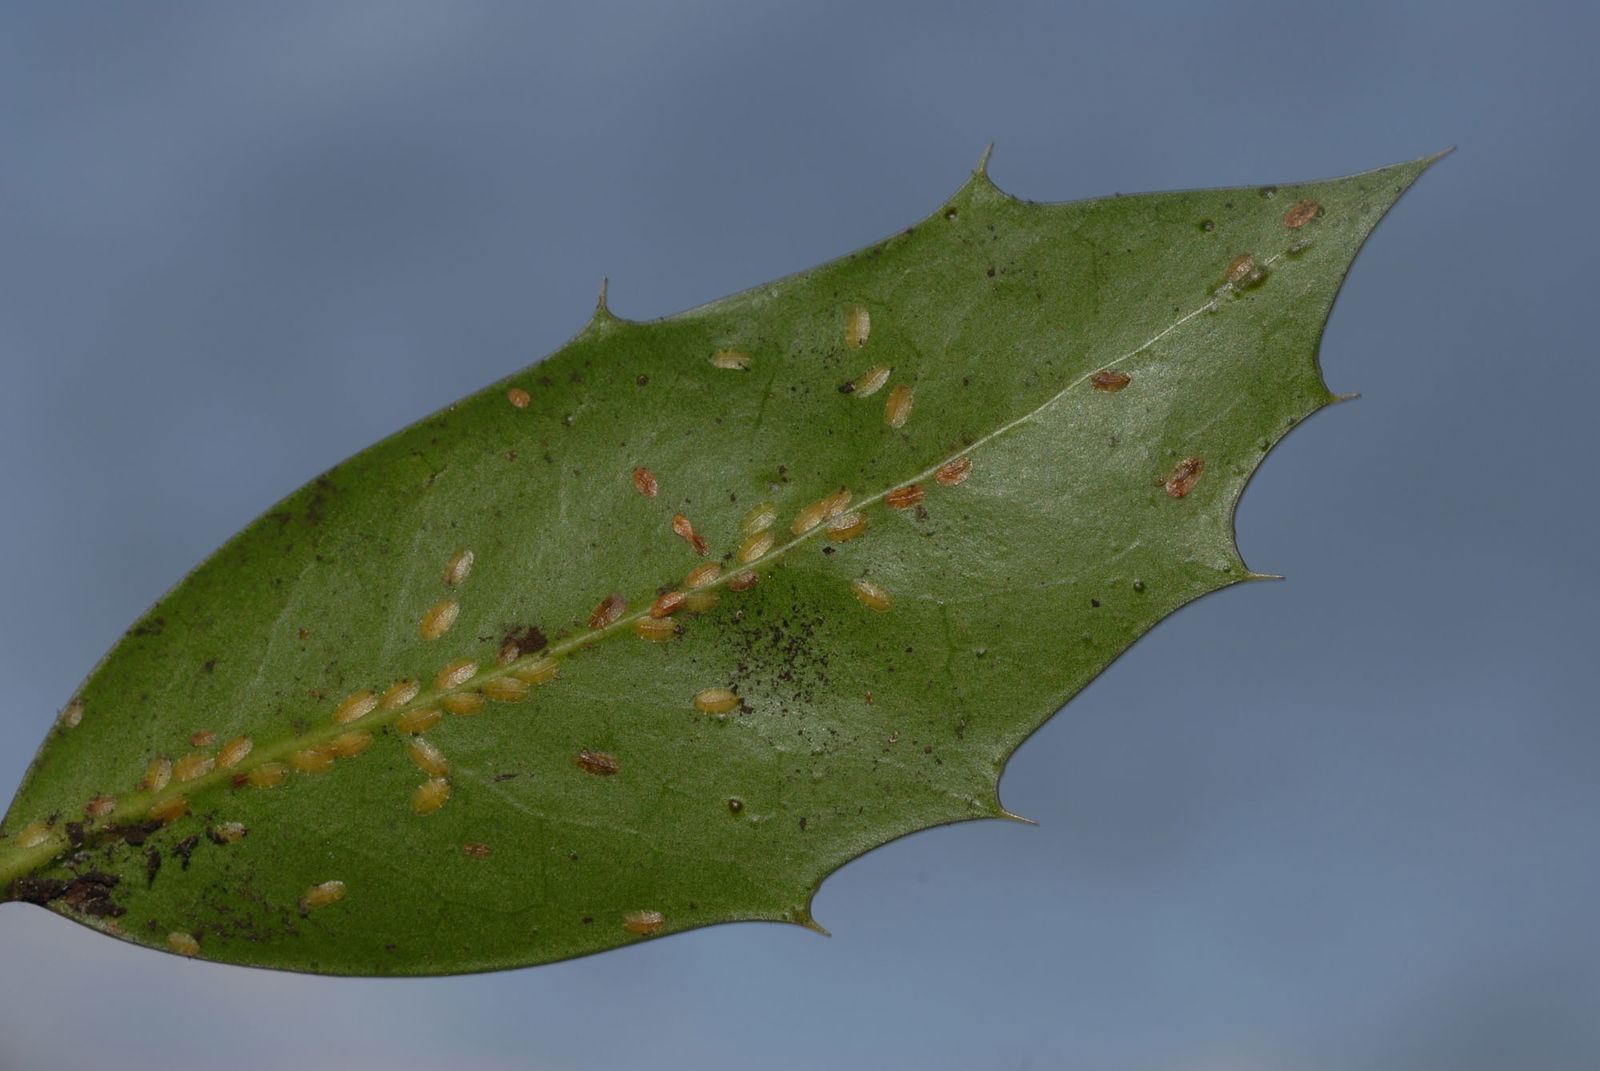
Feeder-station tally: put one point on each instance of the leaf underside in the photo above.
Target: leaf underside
(604, 807)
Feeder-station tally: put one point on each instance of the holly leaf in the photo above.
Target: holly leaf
(664, 629)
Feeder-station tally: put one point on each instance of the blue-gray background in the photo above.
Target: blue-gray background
(1346, 821)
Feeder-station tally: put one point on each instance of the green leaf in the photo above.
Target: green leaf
(1112, 371)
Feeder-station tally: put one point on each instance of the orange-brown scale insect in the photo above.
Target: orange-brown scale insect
(846, 527)
(323, 894)
(871, 595)
(203, 738)
(100, 806)
(897, 410)
(698, 602)
(519, 397)
(33, 835)
(610, 609)
(455, 674)
(311, 760)
(170, 809)
(1300, 213)
(228, 832)
(599, 763)
(1109, 380)
(184, 944)
(399, 694)
(655, 629)
(193, 765)
(715, 700)
(857, 326)
(157, 774)
(667, 604)
(736, 360)
(539, 672)
(755, 546)
(682, 527)
(349, 745)
(868, 383)
(1184, 476)
(953, 472)
(506, 689)
(744, 580)
(643, 923)
(476, 850)
(645, 482)
(234, 752)
(905, 497)
(437, 621)
(268, 775)
(429, 759)
(809, 517)
(704, 574)
(758, 519)
(463, 703)
(430, 795)
(355, 705)
(1243, 271)
(459, 565)
(418, 721)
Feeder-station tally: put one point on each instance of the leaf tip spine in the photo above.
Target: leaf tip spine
(982, 170)
(603, 316)
(1011, 816)
(1251, 574)
(801, 916)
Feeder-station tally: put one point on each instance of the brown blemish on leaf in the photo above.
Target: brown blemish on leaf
(476, 850)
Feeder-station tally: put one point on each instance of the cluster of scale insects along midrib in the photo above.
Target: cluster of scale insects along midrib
(465, 687)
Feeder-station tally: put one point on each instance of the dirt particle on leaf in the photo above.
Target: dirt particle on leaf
(528, 639)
